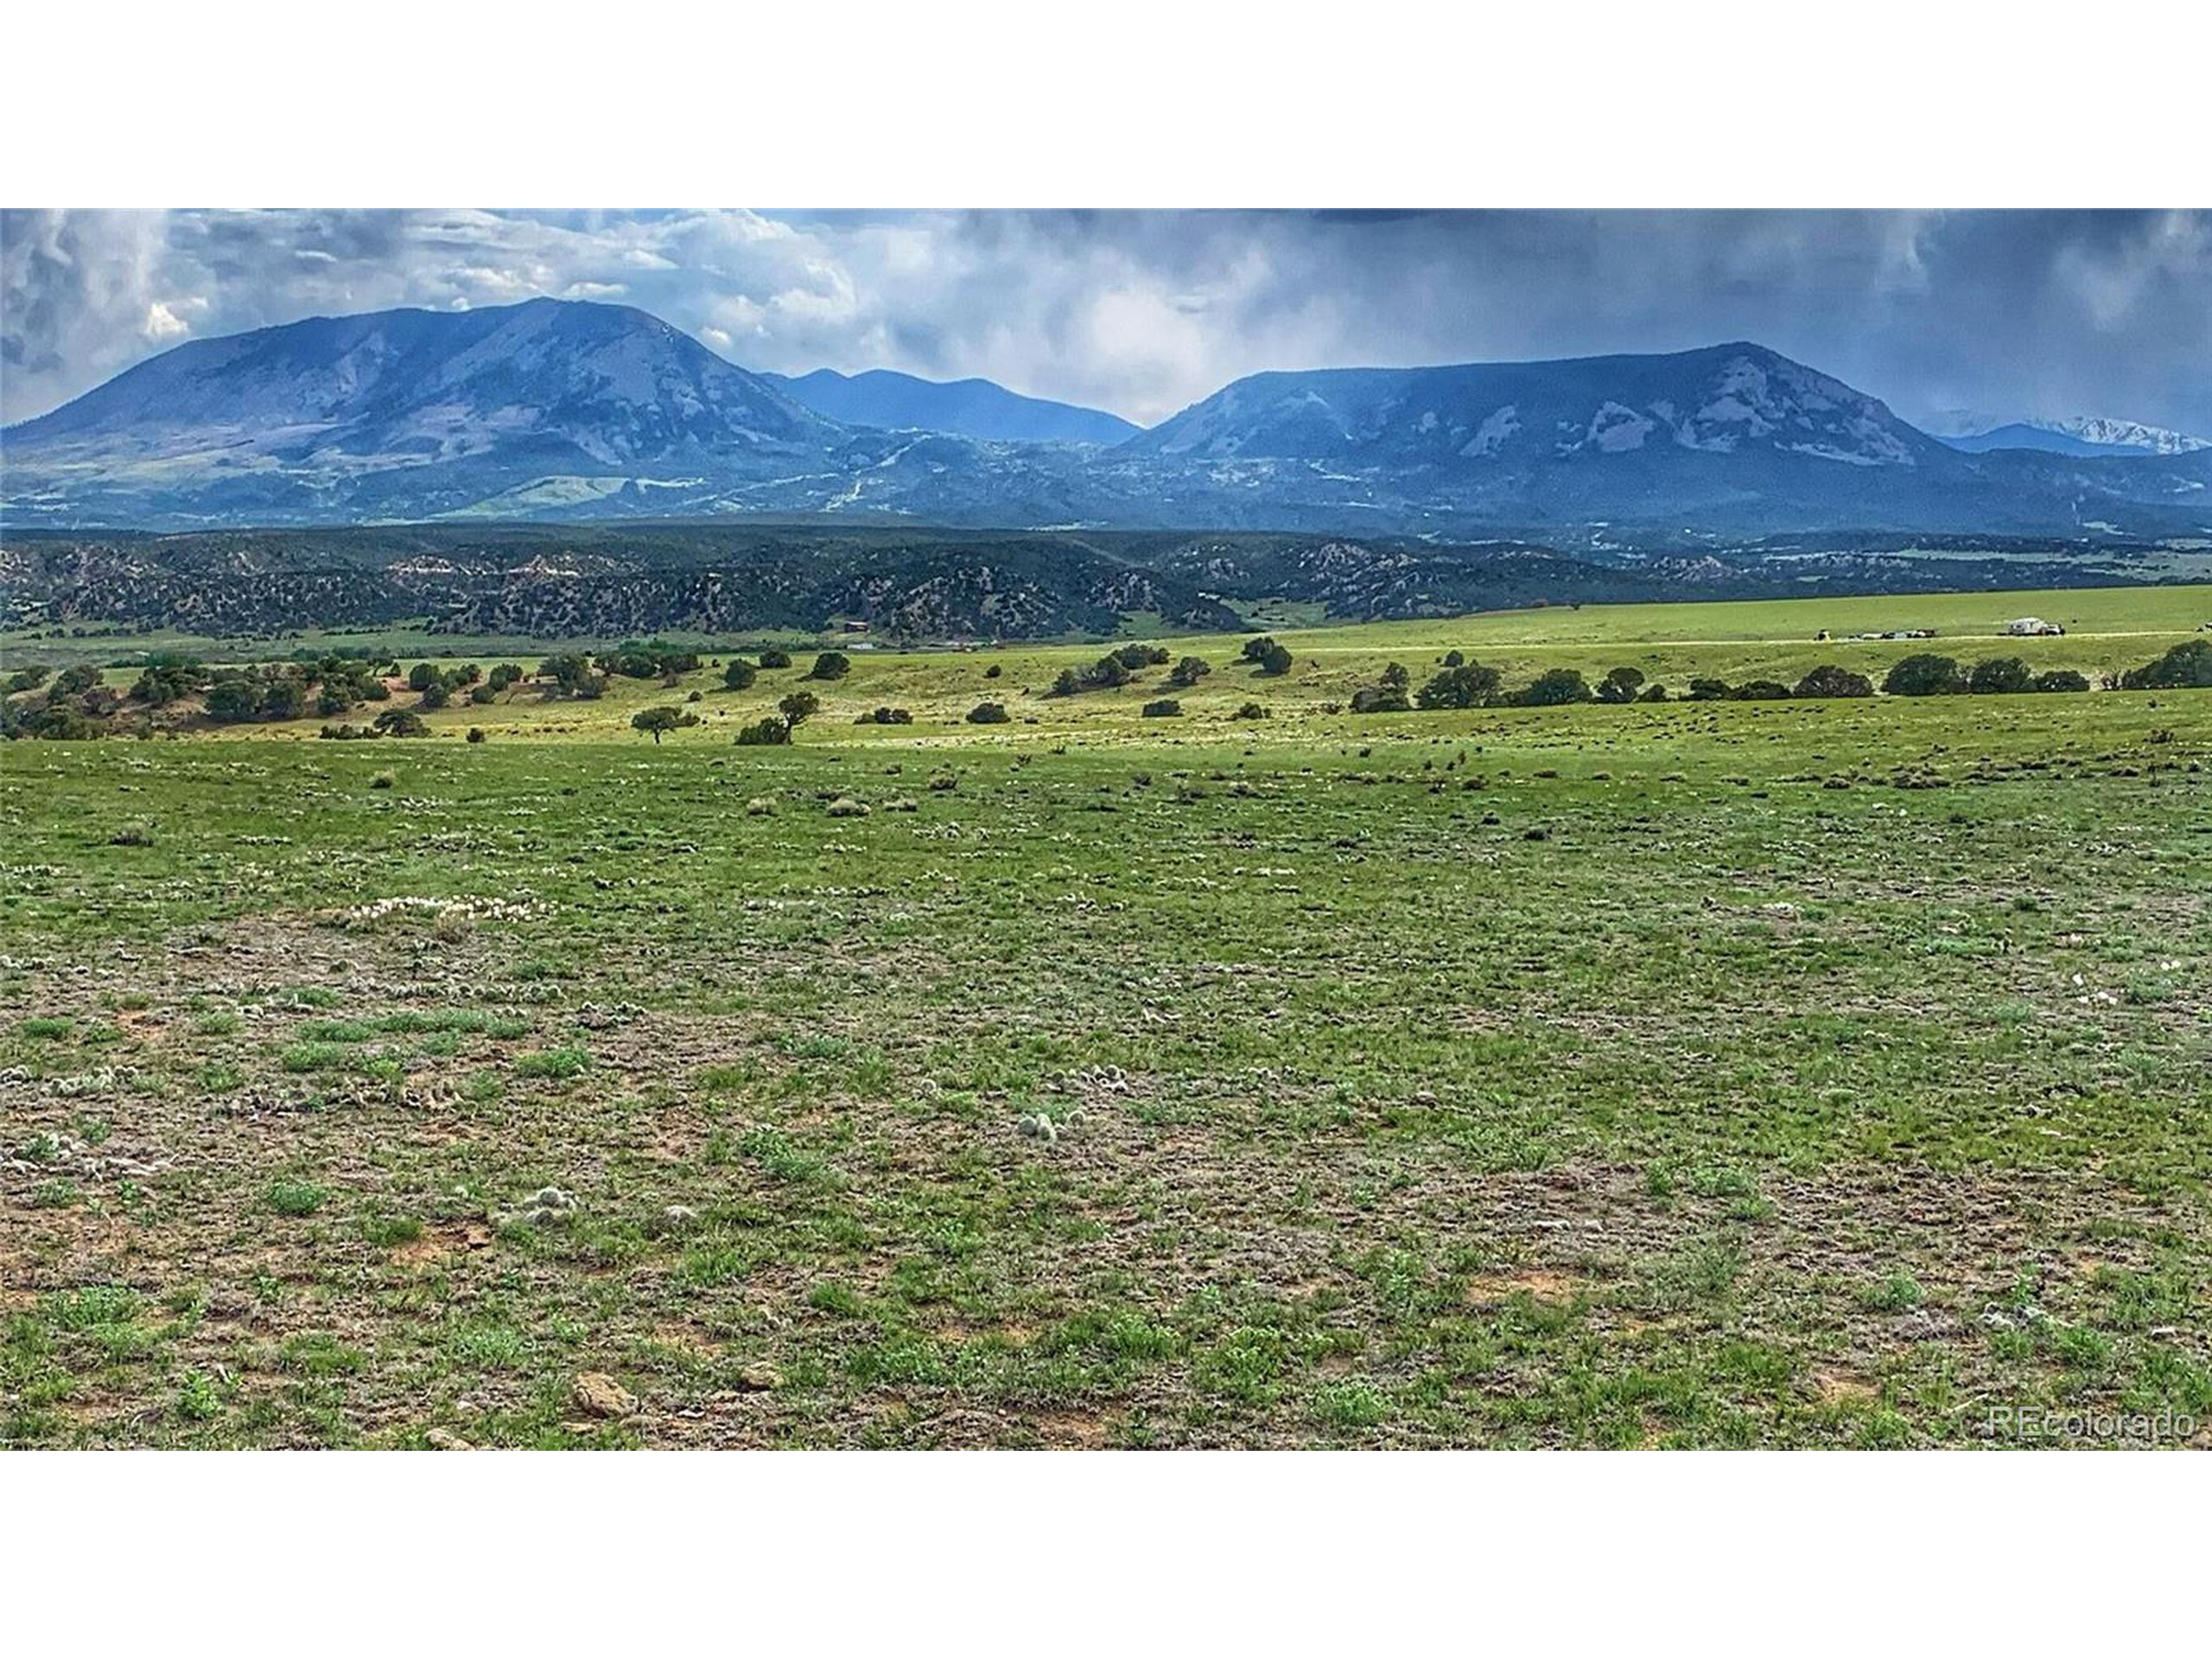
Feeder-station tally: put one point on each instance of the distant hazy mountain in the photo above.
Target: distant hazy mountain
(2082, 435)
(563, 410)
(965, 409)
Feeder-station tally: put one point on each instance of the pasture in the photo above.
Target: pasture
(1807, 1072)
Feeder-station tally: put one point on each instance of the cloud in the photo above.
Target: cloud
(2018, 313)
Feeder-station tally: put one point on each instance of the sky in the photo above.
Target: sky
(1953, 318)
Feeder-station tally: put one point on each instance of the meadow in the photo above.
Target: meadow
(1791, 1073)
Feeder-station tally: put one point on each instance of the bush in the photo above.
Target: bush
(989, 713)
(846, 807)
(1620, 686)
(1706, 689)
(2061, 679)
(1271, 657)
(1999, 675)
(1163, 709)
(1762, 691)
(1462, 685)
(770, 728)
(1923, 675)
(136, 832)
(1250, 711)
(401, 722)
(1188, 672)
(885, 717)
(739, 675)
(476, 734)
(798, 707)
(2186, 667)
(995, 671)
(773, 657)
(830, 665)
(1829, 681)
(1553, 688)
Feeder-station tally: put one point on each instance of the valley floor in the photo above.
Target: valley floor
(1729, 1074)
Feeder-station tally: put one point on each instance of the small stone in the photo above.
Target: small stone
(444, 1439)
(601, 1395)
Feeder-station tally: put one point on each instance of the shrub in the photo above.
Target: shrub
(1250, 711)
(1762, 691)
(136, 832)
(995, 671)
(435, 696)
(1188, 672)
(739, 675)
(1270, 657)
(1999, 675)
(773, 657)
(846, 807)
(1553, 688)
(769, 728)
(401, 722)
(382, 780)
(476, 734)
(1462, 685)
(1923, 675)
(1829, 681)
(1163, 708)
(989, 713)
(2187, 665)
(2061, 679)
(294, 1198)
(1706, 689)
(884, 717)
(798, 708)
(830, 665)
(1620, 686)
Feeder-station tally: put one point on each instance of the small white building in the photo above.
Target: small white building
(2030, 625)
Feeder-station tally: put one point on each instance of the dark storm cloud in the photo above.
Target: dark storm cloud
(2005, 314)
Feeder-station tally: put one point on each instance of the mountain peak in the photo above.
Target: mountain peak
(1738, 396)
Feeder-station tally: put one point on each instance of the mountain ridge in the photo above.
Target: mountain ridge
(971, 408)
(561, 411)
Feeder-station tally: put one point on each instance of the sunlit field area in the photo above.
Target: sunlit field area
(1284, 1066)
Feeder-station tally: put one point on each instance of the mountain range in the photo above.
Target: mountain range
(2081, 435)
(960, 408)
(570, 410)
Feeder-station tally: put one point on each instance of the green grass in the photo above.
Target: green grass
(1683, 1074)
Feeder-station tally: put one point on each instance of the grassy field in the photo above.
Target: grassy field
(1716, 1074)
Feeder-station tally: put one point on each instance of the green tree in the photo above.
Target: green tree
(799, 706)
(1829, 681)
(739, 675)
(1923, 675)
(657, 720)
(1620, 686)
(830, 665)
(1554, 688)
(1462, 685)
(2188, 664)
(1999, 675)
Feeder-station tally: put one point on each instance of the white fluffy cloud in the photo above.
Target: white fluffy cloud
(1143, 312)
